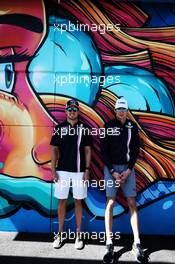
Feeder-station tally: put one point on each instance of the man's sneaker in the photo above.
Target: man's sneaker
(58, 241)
(138, 252)
(79, 242)
(109, 254)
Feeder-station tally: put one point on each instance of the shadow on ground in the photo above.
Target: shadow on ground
(150, 244)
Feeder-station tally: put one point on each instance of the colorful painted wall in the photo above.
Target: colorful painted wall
(94, 51)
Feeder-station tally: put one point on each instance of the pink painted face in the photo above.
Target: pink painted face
(25, 124)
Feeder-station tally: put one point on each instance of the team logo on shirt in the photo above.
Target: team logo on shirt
(129, 125)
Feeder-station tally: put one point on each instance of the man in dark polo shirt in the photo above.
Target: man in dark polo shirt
(71, 155)
(120, 151)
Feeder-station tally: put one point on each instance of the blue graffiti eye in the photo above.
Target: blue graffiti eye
(6, 77)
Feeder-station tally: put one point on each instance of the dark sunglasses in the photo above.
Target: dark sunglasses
(70, 109)
(121, 110)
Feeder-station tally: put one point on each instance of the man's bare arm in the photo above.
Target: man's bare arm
(54, 161)
(88, 161)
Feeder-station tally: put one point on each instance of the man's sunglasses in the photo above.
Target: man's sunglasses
(121, 110)
(70, 109)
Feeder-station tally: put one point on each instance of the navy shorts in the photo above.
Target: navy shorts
(128, 187)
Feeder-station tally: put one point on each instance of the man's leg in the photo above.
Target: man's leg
(58, 239)
(111, 191)
(79, 189)
(78, 213)
(129, 189)
(109, 254)
(61, 214)
(109, 219)
(79, 244)
(61, 192)
(136, 248)
(134, 218)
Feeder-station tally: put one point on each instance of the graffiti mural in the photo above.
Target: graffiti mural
(94, 51)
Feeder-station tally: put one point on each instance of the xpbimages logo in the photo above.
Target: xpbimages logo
(101, 236)
(100, 184)
(101, 28)
(86, 79)
(101, 132)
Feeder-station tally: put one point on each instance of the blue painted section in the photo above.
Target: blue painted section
(31, 221)
(71, 65)
(26, 221)
(31, 193)
(142, 89)
(161, 13)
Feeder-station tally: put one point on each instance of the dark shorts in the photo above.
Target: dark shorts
(128, 187)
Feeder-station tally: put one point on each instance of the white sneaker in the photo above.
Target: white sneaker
(58, 241)
(79, 243)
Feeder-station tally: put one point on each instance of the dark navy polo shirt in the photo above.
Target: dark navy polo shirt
(71, 141)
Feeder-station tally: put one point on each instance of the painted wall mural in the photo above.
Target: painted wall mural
(94, 51)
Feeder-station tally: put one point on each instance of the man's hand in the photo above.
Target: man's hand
(86, 176)
(55, 176)
(124, 175)
(117, 176)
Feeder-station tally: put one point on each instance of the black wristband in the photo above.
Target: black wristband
(87, 168)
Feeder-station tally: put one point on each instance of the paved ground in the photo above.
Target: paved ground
(25, 248)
